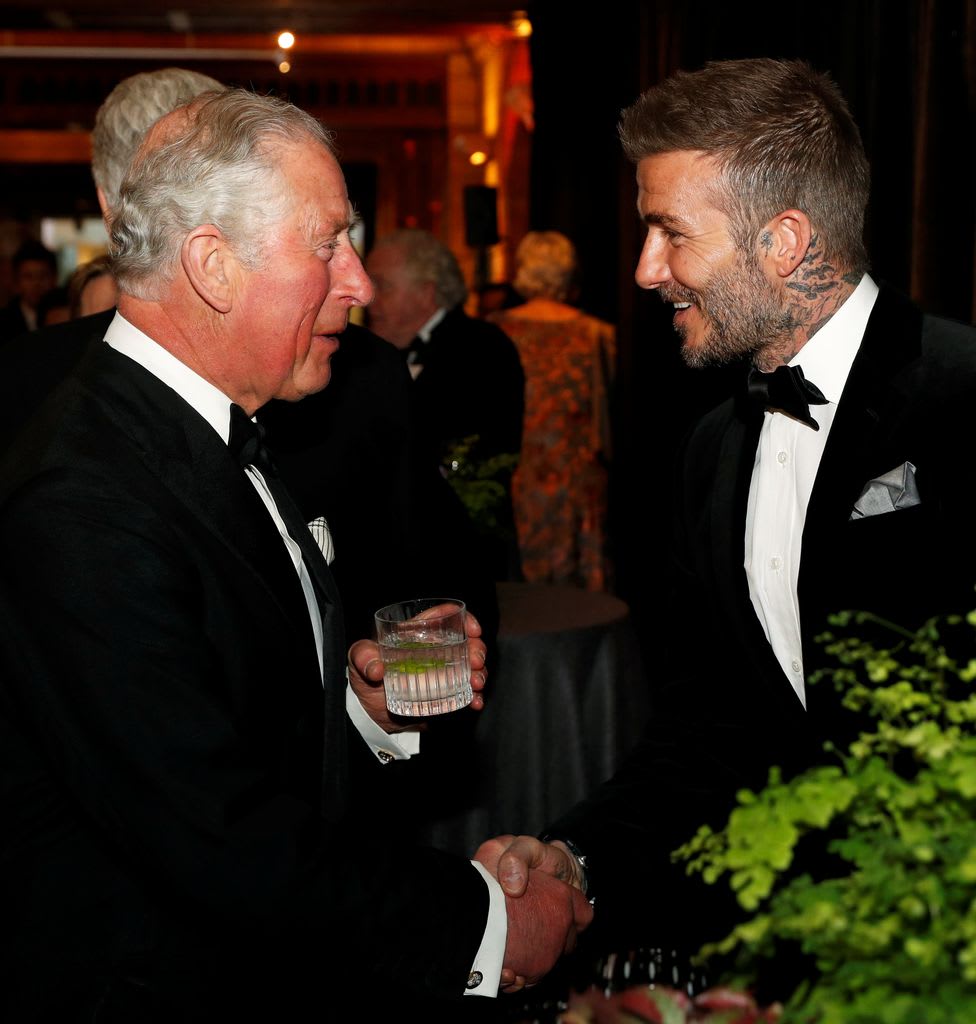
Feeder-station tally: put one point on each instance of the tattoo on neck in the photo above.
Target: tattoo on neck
(816, 293)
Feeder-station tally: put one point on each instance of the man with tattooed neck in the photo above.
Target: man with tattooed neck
(835, 480)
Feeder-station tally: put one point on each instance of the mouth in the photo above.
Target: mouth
(329, 340)
(681, 311)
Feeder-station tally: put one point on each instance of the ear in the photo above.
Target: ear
(103, 206)
(210, 266)
(784, 241)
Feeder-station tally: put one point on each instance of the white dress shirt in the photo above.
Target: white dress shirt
(787, 459)
(413, 359)
(214, 406)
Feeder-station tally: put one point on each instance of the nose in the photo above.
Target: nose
(653, 268)
(352, 281)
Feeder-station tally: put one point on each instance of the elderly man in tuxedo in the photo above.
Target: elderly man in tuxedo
(835, 480)
(419, 308)
(329, 448)
(184, 750)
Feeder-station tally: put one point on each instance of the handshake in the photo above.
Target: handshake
(545, 902)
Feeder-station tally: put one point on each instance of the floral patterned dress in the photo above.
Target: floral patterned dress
(560, 487)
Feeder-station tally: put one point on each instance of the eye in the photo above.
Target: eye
(328, 249)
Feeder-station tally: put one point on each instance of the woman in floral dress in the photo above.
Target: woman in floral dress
(560, 487)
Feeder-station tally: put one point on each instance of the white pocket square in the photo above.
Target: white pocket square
(319, 529)
(894, 490)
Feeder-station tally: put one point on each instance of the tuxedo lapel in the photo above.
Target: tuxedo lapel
(733, 476)
(866, 409)
(195, 466)
(733, 473)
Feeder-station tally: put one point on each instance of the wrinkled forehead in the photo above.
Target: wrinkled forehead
(310, 176)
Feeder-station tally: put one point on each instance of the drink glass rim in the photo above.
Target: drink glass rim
(392, 613)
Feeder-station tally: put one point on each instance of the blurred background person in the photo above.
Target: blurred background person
(474, 433)
(53, 308)
(91, 288)
(560, 487)
(35, 274)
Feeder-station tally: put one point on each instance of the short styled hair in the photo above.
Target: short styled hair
(428, 260)
(783, 137)
(546, 262)
(32, 251)
(220, 168)
(129, 111)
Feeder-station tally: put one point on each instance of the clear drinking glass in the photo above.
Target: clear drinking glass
(425, 656)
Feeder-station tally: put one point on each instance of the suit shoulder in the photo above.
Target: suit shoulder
(707, 431)
(949, 342)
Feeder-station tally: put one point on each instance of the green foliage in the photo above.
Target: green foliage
(481, 484)
(893, 932)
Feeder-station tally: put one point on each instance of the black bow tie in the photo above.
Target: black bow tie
(414, 352)
(246, 442)
(785, 390)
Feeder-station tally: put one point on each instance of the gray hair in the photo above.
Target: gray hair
(547, 266)
(129, 111)
(220, 168)
(428, 260)
(782, 136)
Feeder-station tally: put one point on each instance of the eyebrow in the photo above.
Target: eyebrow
(664, 220)
(318, 233)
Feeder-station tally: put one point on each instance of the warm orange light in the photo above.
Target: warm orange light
(286, 40)
(284, 67)
(521, 25)
(477, 158)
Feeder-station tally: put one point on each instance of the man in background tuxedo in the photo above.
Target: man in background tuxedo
(791, 502)
(35, 273)
(419, 308)
(183, 749)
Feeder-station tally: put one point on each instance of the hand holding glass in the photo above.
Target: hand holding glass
(425, 656)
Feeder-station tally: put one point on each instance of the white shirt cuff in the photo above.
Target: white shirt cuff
(486, 971)
(385, 746)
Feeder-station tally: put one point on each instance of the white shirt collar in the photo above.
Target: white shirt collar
(827, 357)
(211, 403)
(425, 332)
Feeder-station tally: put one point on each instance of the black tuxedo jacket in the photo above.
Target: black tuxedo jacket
(724, 711)
(177, 776)
(12, 322)
(472, 383)
(33, 365)
(350, 453)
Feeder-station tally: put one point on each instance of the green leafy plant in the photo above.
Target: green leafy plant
(480, 483)
(891, 927)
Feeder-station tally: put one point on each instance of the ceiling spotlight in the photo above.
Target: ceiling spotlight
(521, 25)
(477, 158)
(286, 40)
(284, 67)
